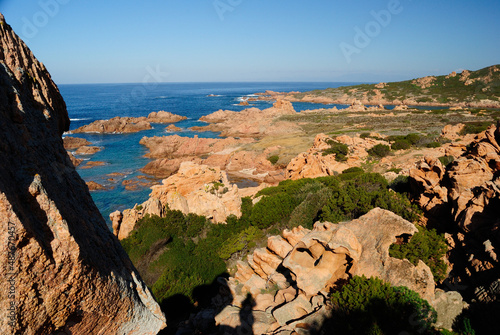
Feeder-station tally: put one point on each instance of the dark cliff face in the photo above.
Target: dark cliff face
(71, 272)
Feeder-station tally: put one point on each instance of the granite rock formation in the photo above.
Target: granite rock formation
(195, 188)
(314, 163)
(463, 199)
(251, 122)
(71, 274)
(289, 280)
(129, 124)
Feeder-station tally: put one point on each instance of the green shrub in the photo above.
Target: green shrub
(433, 145)
(395, 170)
(273, 159)
(445, 160)
(362, 193)
(354, 169)
(475, 127)
(379, 150)
(307, 212)
(413, 138)
(370, 306)
(287, 186)
(401, 184)
(400, 145)
(426, 245)
(272, 209)
(340, 150)
(238, 242)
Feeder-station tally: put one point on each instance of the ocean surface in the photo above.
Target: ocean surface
(122, 153)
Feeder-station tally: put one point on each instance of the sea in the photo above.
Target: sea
(122, 154)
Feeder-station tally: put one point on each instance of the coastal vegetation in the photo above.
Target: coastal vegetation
(179, 252)
(465, 87)
(370, 306)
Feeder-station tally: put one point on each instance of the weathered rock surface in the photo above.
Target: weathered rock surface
(129, 124)
(289, 280)
(448, 306)
(72, 275)
(464, 199)
(425, 180)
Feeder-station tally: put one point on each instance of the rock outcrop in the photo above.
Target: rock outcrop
(289, 281)
(73, 143)
(251, 122)
(227, 154)
(314, 163)
(463, 198)
(129, 124)
(64, 272)
(195, 188)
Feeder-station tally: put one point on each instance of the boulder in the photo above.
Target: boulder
(452, 132)
(200, 189)
(116, 220)
(448, 306)
(425, 181)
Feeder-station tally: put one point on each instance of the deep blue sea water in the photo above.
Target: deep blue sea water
(122, 152)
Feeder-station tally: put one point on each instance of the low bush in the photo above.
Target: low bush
(445, 160)
(401, 184)
(273, 159)
(362, 193)
(475, 127)
(370, 306)
(433, 145)
(340, 150)
(426, 245)
(271, 210)
(400, 144)
(379, 150)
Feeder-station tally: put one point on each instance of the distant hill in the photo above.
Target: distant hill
(479, 88)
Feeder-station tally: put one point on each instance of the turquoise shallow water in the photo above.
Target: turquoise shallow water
(122, 153)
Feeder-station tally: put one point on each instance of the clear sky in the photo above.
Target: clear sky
(107, 41)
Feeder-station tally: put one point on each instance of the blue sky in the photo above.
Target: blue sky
(96, 41)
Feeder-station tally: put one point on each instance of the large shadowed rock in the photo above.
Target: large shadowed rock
(63, 270)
